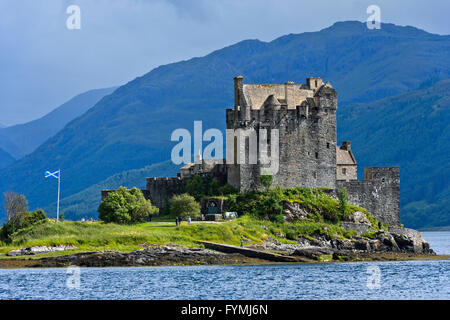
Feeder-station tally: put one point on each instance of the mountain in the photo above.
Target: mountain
(411, 130)
(86, 202)
(2, 126)
(131, 127)
(22, 139)
(5, 158)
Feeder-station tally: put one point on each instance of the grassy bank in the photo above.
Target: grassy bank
(97, 236)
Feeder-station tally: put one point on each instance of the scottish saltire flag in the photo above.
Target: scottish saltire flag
(52, 174)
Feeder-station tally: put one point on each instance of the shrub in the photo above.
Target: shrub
(343, 201)
(22, 221)
(184, 205)
(291, 235)
(226, 190)
(195, 187)
(265, 180)
(126, 206)
(279, 218)
(214, 187)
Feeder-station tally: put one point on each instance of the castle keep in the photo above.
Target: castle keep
(303, 116)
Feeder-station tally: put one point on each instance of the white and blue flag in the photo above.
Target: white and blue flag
(52, 174)
(56, 175)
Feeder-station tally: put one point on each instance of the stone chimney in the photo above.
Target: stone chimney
(289, 94)
(314, 83)
(346, 145)
(238, 88)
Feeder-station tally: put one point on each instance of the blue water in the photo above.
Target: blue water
(397, 280)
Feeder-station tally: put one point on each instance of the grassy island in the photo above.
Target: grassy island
(261, 217)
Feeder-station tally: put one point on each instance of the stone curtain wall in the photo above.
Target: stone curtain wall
(379, 193)
(161, 190)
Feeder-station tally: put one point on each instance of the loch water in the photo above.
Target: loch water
(359, 280)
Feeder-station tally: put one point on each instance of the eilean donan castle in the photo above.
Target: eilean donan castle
(304, 116)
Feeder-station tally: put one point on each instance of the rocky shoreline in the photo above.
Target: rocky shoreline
(396, 245)
(151, 255)
(365, 245)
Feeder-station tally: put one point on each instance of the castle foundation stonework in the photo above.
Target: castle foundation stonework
(303, 116)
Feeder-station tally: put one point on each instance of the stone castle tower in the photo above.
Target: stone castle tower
(305, 116)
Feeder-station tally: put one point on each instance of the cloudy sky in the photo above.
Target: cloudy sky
(43, 64)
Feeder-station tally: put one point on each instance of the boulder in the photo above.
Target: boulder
(293, 211)
(38, 250)
(357, 221)
(358, 217)
(409, 240)
(316, 253)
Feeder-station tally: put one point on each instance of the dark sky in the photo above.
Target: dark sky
(43, 64)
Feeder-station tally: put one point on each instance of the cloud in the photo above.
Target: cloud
(43, 64)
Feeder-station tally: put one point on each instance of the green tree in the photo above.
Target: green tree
(195, 186)
(214, 187)
(227, 189)
(126, 206)
(21, 221)
(16, 205)
(343, 201)
(184, 205)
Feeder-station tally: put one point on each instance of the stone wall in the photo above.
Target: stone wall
(351, 172)
(378, 192)
(161, 190)
(106, 192)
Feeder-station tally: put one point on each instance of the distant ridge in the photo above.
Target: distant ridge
(19, 140)
(5, 158)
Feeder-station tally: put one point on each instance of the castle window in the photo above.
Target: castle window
(344, 171)
(328, 145)
(317, 155)
(314, 175)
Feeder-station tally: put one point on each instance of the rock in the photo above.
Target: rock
(358, 217)
(409, 240)
(360, 228)
(362, 245)
(38, 250)
(272, 240)
(343, 244)
(293, 211)
(279, 235)
(316, 253)
(357, 221)
(159, 255)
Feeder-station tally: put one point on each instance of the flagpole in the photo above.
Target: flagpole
(59, 187)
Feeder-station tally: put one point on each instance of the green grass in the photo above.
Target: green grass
(99, 236)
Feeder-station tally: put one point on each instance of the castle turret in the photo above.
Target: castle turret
(240, 103)
(270, 108)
